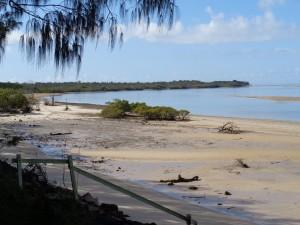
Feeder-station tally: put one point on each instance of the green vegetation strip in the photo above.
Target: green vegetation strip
(117, 86)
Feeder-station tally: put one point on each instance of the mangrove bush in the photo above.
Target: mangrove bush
(13, 101)
(121, 108)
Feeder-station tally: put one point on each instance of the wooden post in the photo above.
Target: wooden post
(72, 175)
(19, 168)
(188, 219)
(52, 100)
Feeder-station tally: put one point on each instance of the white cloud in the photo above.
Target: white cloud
(268, 4)
(219, 29)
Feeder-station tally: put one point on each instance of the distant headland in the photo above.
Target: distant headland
(63, 87)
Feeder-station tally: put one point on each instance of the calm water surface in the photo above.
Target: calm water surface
(214, 102)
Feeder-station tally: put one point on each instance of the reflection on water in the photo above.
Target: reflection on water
(215, 102)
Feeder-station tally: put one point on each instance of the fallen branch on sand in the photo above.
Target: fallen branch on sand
(180, 179)
(229, 128)
(242, 164)
(102, 160)
(54, 134)
(13, 140)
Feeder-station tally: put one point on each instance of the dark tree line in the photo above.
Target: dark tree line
(117, 86)
(59, 29)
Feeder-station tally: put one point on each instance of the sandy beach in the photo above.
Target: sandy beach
(146, 152)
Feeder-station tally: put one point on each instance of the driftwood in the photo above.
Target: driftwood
(102, 160)
(193, 188)
(229, 128)
(242, 164)
(180, 179)
(54, 134)
(14, 140)
(98, 161)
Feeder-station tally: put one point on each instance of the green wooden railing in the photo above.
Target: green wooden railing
(19, 160)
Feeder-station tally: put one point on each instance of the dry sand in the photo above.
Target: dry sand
(267, 192)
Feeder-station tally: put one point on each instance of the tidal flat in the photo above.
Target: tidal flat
(145, 152)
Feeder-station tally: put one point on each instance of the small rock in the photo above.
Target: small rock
(53, 196)
(83, 203)
(220, 204)
(93, 208)
(89, 198)
(109, 208)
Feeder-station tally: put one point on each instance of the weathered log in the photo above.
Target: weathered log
(54, 134)
(193, 188)
(181, 179)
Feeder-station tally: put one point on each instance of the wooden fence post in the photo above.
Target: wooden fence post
(72, 175)
(19, 168)
(188, 219)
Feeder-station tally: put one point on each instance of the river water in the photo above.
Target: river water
(229, 102)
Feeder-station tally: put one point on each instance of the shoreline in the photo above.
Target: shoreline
(148, 152)
(82, 105)
(99, 106)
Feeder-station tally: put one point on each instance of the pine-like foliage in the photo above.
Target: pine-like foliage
(59, 29)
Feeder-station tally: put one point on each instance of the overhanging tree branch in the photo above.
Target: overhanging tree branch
(60, 30)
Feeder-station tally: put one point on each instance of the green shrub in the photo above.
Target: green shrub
(13, 101)
(139, 108)
(121, 104)
(116, 109)
(161, 113)
(119, 108)
(112, 111)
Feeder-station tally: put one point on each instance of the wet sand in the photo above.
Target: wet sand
(276, 98)
(146, 152)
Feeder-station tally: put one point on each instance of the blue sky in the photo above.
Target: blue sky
(253, 40)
